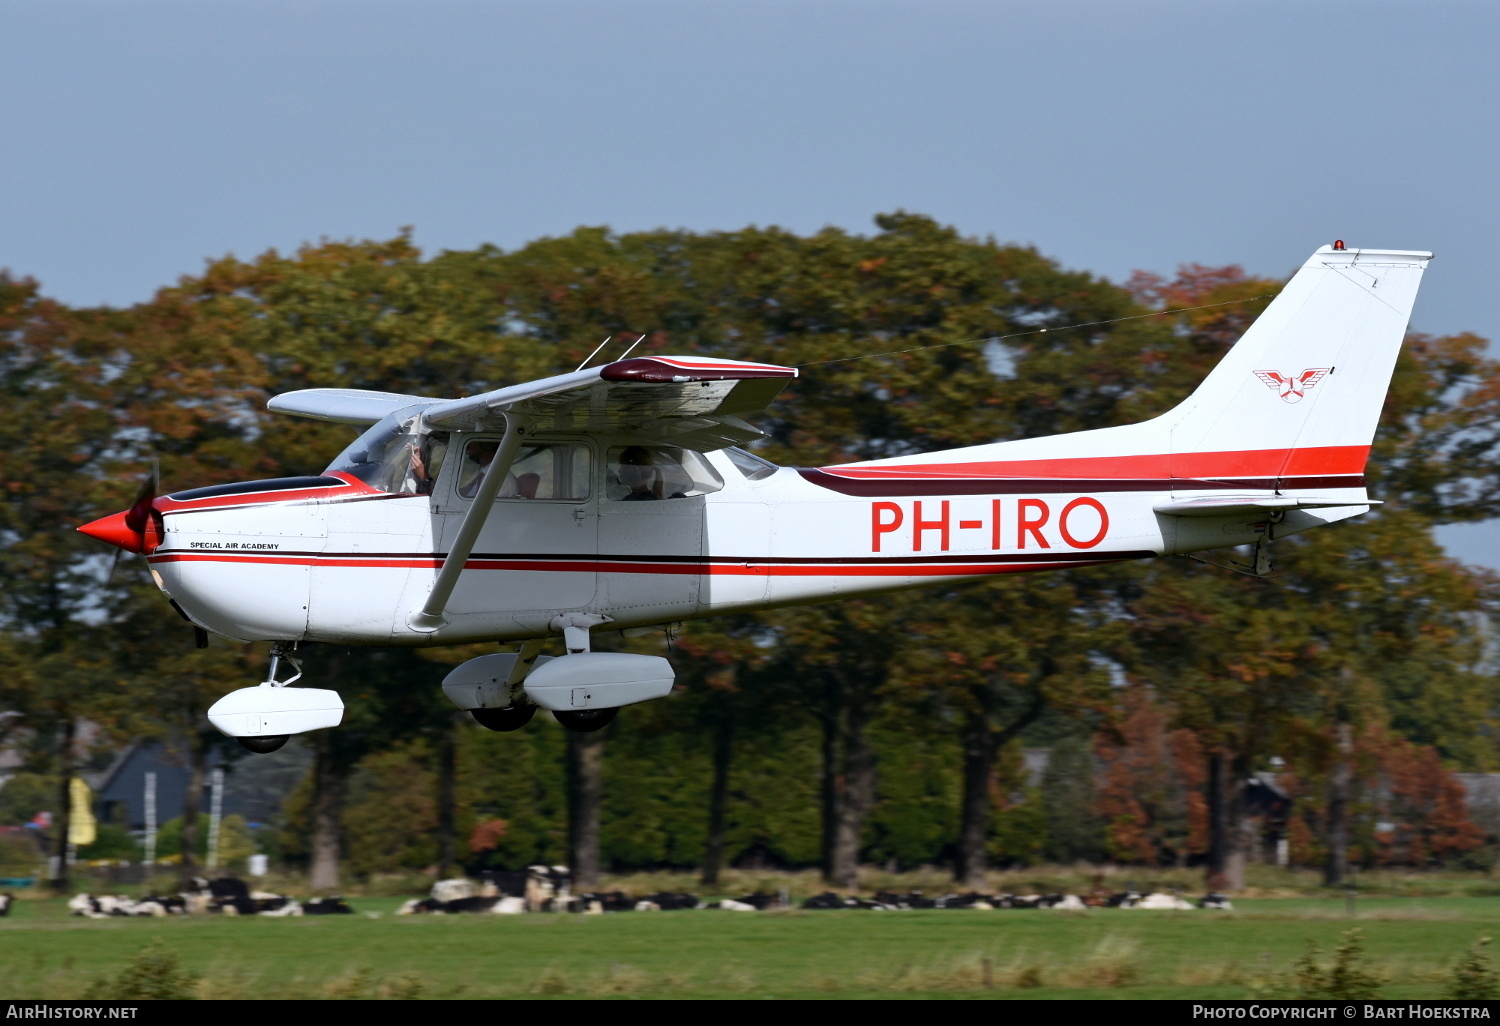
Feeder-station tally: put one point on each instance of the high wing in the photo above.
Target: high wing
(691, 402)
(343, 405)
(686, 401)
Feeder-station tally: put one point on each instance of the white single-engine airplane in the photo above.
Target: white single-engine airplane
(615, 496)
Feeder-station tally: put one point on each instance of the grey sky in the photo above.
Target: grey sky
(139, 138)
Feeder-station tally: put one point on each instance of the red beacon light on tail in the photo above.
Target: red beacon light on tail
(1338, 244)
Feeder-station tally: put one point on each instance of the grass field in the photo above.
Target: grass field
(1411, 942)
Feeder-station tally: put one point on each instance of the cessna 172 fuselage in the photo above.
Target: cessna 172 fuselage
(616, 497)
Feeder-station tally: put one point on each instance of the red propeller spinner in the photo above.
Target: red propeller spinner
(137, 529)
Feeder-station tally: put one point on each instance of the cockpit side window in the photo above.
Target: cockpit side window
(427, 459)
(640, 473)
(553, 470)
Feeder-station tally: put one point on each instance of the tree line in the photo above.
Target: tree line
(886, 728)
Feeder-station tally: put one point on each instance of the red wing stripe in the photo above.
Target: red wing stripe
(672, 369)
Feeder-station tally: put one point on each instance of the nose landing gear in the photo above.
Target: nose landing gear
(513, 718)
(262, 717)
(265, 744)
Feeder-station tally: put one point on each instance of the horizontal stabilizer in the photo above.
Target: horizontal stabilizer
(1225, 505)
(343, 405)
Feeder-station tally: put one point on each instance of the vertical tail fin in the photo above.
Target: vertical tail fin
(1303, 388)
(1292, 406)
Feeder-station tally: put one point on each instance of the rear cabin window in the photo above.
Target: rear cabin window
(551, 471)
(749, 464)
(641, 473)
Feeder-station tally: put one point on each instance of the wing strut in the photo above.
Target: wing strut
(431, 617)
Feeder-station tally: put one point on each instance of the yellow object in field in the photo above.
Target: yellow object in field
(82, 828)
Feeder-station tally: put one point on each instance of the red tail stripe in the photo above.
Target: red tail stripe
(1321, 460)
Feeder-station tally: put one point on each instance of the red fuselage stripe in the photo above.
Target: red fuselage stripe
(947, 567)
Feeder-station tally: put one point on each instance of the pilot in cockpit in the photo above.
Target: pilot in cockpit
(426, 461)
(636, 471)
(647, 474)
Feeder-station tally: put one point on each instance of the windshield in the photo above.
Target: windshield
(395, 455)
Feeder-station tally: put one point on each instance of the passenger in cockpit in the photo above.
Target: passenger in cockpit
(477, 459)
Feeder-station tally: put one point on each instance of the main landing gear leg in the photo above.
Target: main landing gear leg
(1260, 557)
(521, 710)
(575, 631)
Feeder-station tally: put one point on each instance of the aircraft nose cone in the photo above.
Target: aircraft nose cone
(114, 531)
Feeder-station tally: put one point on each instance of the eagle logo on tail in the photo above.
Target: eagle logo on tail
(1290, 387)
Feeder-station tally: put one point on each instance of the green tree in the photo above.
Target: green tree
(23, 796)
(1473, 977)
(995, 657)
(1074, 830)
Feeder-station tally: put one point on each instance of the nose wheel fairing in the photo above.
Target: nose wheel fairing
(263, 717)
(268, 711)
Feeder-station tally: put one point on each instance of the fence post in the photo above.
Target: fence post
(150, 858)
(215, 814)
